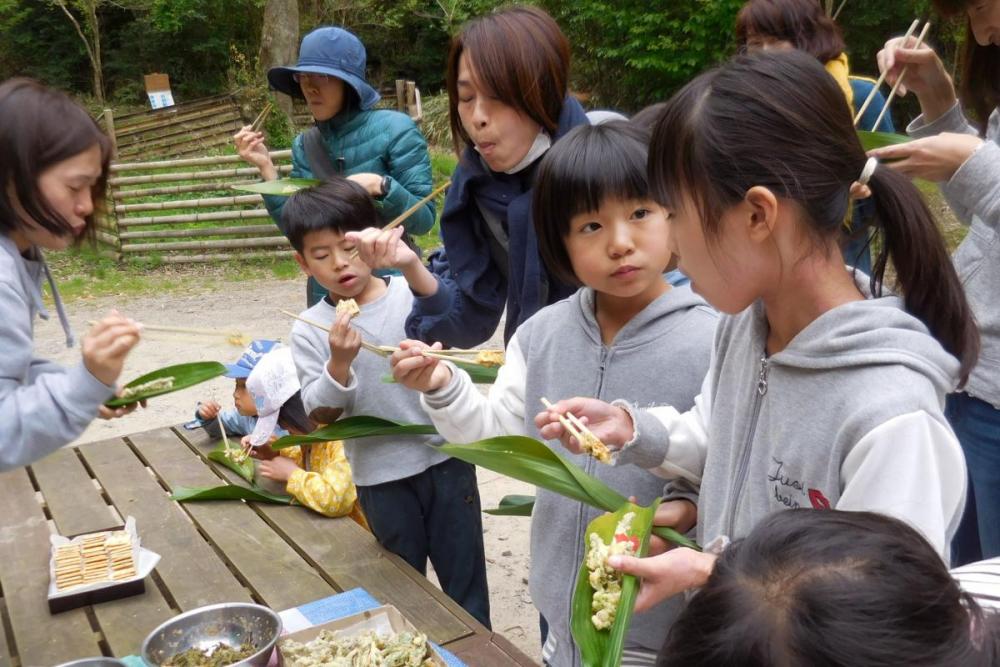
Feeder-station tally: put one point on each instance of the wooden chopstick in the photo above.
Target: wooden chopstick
(444, 355)
(410, 211)
(259, 120)
(215, 333)
(881, 80)
(892, 93)
(567, 424)
(381, 350)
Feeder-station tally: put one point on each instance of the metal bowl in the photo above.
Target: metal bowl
(94, 662)
(204, 628)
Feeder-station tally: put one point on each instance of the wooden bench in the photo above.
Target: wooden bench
(280, 556)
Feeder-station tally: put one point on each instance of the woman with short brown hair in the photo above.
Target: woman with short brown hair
(507, 77)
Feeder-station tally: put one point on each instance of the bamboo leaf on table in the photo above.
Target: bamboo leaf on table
(228, 492)
(242, 468)
(872, 140)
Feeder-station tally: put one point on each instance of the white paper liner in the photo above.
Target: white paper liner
(145, 560)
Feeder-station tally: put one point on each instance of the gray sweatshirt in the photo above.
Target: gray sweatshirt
(848, 415)
(974, 195)
(661, 354)
(43, 405)
(380, 459)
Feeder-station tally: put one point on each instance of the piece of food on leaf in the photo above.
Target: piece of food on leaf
(604, 598)
(153, 385)
(605, 580)
(349, 306)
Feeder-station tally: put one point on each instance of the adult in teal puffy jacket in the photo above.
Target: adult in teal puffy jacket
(380, 149)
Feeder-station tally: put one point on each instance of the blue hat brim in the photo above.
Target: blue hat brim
(280, 79)
(237, 372)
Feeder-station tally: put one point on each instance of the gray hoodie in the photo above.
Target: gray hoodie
(661, 354)
(974, 195)
(848, 415)
(43, 405)
(380, 459)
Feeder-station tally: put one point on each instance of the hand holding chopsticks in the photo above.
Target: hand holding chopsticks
(400, 219)
(585, 438)
(922, 70)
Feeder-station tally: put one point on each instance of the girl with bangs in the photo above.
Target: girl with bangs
(757, 187)
(507, 81)
(598, 229)
(964, 158)
(54, 164)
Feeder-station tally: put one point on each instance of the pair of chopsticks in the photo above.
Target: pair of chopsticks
(456, 355)
(261, 117)
(410, 211)
(902, 74)
(234, 454)
(233, 337)
(576, 428)
(381, 350)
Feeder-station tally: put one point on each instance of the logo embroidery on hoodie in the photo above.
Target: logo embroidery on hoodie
(792, 493)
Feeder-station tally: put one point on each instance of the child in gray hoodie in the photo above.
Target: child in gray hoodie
(596, 226)
(822, 392)
(53, 168)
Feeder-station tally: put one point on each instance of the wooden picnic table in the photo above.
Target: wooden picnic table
(226, 551)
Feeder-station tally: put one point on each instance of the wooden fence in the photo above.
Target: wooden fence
(191, 128)
(186, 211)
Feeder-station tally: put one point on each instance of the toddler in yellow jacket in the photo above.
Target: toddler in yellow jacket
(317, 476)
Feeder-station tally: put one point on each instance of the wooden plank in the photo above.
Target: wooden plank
(61, 478)
(204, 202)
(351, 557)
(279, 575)
(6, 654)
(191, 176)
(169, 133)
(141, 193)
(166, 122)
(481, 651)
(191, 570)
(74, 502)
(24, 552)
(255, 230)
(219, 244)
(222, 126)
(220, 257)
(191, 162)
(242, 214)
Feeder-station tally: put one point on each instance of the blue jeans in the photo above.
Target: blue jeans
(435, 514)
(977, 425)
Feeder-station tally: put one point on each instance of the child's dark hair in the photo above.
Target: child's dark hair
(337, 204)
(588, 165)
(831, 588)
(980, 78)
(778, 120)
(292, 415)
(646, 117)
(42, 127)
(803, 23)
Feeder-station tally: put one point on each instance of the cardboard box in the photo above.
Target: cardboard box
(383, 620)
(158, 90)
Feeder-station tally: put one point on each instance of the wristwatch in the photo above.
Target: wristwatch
(386, 183)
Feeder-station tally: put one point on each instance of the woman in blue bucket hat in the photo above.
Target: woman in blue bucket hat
(380, 149)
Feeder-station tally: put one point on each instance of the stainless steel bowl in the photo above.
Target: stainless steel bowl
(230, 623)
(94, 662)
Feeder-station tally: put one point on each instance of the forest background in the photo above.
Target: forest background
(627, 53)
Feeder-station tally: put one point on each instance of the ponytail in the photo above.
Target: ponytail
(926, 276)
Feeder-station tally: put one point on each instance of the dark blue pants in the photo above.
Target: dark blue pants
(435, 515)
(977, 425)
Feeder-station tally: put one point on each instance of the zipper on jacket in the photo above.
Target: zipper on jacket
(741, 472)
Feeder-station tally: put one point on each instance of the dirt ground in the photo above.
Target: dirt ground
(252, 308)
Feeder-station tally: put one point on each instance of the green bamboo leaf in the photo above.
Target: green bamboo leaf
(354, 427)
(227, 492)
(872, 140)
(282, 186)
(514, 505)
(534, 462)
(603, 648)
(185, 375)
(243, 469)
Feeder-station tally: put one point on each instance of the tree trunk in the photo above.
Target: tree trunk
(90, 7)
(279, 40)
